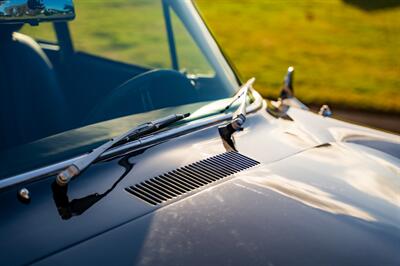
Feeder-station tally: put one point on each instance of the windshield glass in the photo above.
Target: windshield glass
(69, 86)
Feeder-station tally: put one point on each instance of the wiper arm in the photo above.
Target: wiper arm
(150, 127)
(239, 116)
(243, 90)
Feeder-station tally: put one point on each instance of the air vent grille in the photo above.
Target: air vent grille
(185, 179)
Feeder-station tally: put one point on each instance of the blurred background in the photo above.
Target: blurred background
(346, 52)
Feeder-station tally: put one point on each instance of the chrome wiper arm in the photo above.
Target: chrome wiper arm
(239, 116)
(81, 164)
(243, 90)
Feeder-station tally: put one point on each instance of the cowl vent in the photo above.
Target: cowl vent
(175, 183)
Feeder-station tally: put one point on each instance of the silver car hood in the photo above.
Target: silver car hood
(331, 202)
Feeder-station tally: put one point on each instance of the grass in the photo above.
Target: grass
(346, 53)
(128, 31)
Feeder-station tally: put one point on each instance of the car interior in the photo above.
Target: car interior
(50, 87)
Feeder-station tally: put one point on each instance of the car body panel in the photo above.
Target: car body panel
(296, 211)
(314, 199)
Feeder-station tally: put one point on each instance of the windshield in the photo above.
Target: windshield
(68, 86)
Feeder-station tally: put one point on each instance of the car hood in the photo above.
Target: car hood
(316, 197)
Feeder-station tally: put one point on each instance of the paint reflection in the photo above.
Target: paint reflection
(69, 208)
(309, 195)
(363, 171)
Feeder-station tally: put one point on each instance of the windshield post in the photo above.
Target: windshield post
(170, 36)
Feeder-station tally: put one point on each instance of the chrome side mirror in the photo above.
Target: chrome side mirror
(287, 92)
(287, 89)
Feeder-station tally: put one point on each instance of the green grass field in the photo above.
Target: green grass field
(131, 31)
(344, 55)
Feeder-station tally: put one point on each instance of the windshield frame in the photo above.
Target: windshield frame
(229, 62)
(190, 16)
(207, 41)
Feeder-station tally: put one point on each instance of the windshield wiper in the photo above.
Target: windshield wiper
(147, 128)
(239, 116)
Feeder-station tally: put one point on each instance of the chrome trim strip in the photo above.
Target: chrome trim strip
(34, 174)
(131, 146)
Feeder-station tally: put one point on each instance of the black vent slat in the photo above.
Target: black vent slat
(194, 174)
(238, 166)
(240, 161)
(150, 193)
(168, 183)
(166, 186)
(244, 158)
(198, 181)
(237, 158)
(183, 188)
(143, 196)
(180, 181)
(216, 167)
(186, 179)
(140, 196)
(150, 186)
(219, 171)
(221, 168)
(208, 173)
(227, 163)
(221, 163)
(200, 171)
(190, 173)
(168, 192)
(191, 185)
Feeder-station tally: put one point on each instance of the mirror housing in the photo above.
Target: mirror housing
(287, 92)
(35, 11)
(287, 89)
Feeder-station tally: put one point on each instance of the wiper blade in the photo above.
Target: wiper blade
(135, 133)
